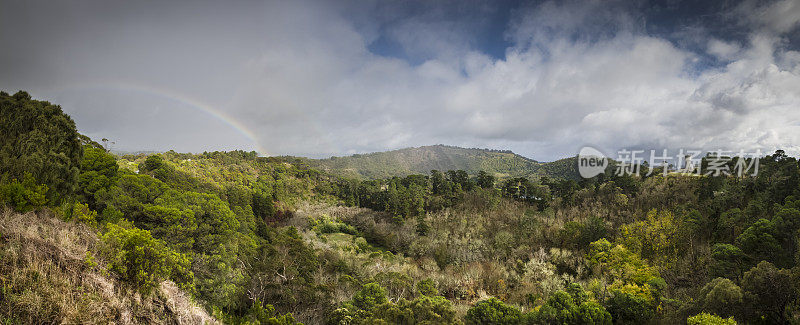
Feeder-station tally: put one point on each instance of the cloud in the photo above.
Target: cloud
(552, 92)
(309, 78)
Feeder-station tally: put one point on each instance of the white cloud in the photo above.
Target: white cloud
(302, 77)
(551, 94)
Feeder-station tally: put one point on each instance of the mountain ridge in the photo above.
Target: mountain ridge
(423, 159)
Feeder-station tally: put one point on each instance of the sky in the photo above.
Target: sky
(325, 78)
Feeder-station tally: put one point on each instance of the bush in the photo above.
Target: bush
(721, 296)
(570, 306)
(629, 308)
(144, 261)
(371, 295)
(40, 140)
(427, 288)
(492, 311)
(709, 319)
(25, 196)
(81, 213)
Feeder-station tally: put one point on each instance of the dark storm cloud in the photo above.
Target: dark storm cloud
(330, 78)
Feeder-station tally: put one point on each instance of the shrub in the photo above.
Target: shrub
(709, 319)
(371, 295)
(492, 311)
(24, 196)
(142, 260)
(427, 288)
(570, 306)
(721, 296)
(629, 308)
(40, 140)
(81, 213)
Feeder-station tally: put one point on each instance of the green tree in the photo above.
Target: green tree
(144, 261)
(38, 138)
(728, 260)
(492, 311)
(629, 308)
(569, 306)
(422, 310)
(721, 297)
(370, 295)
(709, 319)
(761, 241)
(768, 291)
(98, 172)
(24, 196)
(427, 288)
(485, 180)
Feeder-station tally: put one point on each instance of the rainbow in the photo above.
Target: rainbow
(177, 97)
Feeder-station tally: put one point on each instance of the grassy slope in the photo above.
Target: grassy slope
(49, 273)
(421, 160)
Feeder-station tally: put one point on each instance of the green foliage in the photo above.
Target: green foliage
(152, 163)
(371, 295)
(721, 297)
(767, 294)
(761, 241)
(81, 213)
(485, 180)
(492, 311)
(142, 260)
(24, 196)
(38, 138)
(257, 314)
(265, 315)
(728, 260)
(369, 306)
(98, 172)
(325, 225)
(570, 306)
(629, 308)
(422, 310)
(427, 288)
(579, 235)
(709, 319)
(621, 265)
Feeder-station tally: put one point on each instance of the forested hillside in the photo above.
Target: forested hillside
(266, 240)
(421, 160)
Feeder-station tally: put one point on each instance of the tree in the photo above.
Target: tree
(144, 261)
(152, 163)
(761, 241)
(732, 223)
(709, 319)
(569, 306)
(38, 138)
(485, 180)
(427, 288)
(492, 311)
(422, 310)
(768, 290)
(438, 182)
(23, 196)
(728, 260)
(629, 308)
(721, 297)
(98, 171)
(371, 295)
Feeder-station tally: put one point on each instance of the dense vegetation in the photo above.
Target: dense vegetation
(273, 241)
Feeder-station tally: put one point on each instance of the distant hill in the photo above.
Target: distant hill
(421, 160)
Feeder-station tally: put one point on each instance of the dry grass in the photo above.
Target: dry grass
(49, 274)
